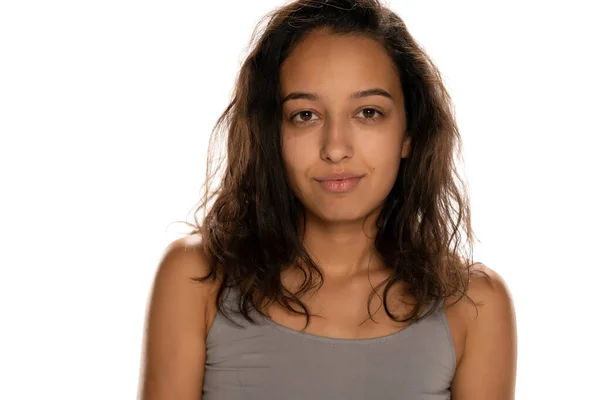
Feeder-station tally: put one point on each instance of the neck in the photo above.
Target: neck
(342, 250)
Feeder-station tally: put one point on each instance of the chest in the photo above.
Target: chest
(276, 361)
(312, 370)
(343, 313)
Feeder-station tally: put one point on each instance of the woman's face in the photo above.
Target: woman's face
(343, 113)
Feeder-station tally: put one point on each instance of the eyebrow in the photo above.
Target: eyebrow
(356, 95)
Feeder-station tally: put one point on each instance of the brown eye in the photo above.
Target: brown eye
(305, 116)
(369, 113)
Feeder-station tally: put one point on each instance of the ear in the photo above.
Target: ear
(405, 147)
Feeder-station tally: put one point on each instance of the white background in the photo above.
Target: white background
(105, 112)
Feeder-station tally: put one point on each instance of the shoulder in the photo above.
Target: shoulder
(176, 322)
(488, 364)
(185, 253)
(488, 289)
(182, 261)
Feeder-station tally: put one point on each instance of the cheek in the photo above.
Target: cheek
(385, 172)
(384, 163)
(383, 155)
(295, 158)
(289, 153)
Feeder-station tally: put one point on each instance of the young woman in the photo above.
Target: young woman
(333, 262)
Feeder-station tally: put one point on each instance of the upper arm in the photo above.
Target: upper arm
(175, 332)
(487, 369)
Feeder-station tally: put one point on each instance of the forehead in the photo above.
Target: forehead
(324, 61)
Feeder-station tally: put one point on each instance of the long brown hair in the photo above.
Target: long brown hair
(249, 230)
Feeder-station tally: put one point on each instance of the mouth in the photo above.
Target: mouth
(338, 183)
(338, 176)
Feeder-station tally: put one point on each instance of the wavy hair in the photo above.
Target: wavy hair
(249, 229)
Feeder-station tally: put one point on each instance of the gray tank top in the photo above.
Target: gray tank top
(270, 361)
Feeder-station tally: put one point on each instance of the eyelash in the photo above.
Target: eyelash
(310, 121)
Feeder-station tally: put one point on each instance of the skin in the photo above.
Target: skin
(341, 136)
(337, 133)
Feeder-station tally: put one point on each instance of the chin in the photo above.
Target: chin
(340, 215)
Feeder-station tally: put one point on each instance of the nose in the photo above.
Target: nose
(337, 141)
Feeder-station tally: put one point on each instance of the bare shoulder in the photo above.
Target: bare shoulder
(185, 256)
(485, 286)
(182, 260)
(174, 338)
(487, 368)
(491, 293)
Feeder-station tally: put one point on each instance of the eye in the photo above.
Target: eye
(304, 117)
(371, 114)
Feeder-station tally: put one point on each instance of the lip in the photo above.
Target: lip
(338, 176)
(339, 182)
